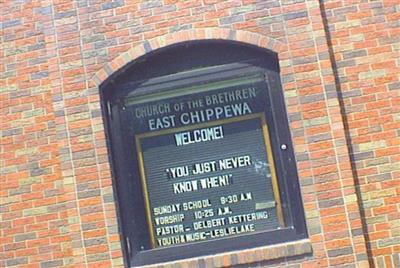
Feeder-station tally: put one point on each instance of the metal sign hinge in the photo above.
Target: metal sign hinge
(128, 245)
(109, 110)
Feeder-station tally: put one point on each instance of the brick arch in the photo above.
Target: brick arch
(187, 35)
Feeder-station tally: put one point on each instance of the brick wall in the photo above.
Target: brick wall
(340, 73)
(365, 41)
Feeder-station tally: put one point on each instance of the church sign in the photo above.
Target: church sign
(201, 153)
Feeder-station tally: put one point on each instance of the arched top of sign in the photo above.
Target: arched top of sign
(190, 55)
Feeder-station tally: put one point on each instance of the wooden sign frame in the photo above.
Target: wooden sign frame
(161, 72)
(268, 149)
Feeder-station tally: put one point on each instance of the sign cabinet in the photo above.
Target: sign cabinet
(202, 160)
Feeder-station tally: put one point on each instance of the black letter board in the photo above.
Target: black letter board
(206, 164)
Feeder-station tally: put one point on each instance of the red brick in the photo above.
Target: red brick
(369, 110)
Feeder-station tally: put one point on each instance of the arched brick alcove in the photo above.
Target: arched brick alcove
(185, 36)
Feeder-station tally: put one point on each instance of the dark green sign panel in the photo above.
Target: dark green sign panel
(205, 162)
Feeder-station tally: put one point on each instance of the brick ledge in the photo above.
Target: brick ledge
(264, 253)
